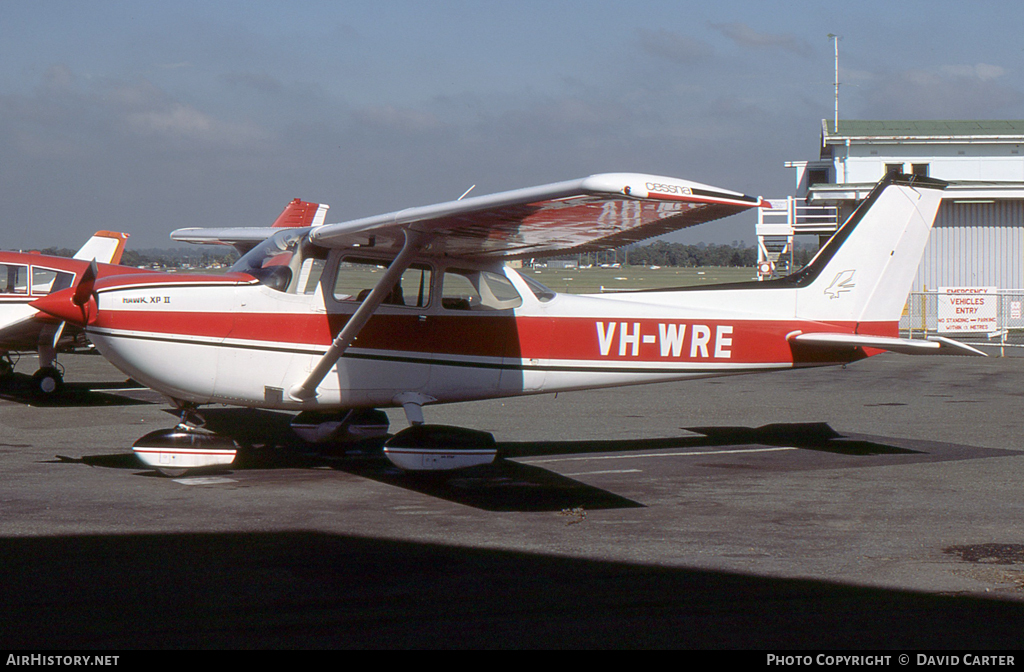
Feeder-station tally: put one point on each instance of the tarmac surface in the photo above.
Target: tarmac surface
(873, 507)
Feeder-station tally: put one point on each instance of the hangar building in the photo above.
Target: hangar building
(978, 236)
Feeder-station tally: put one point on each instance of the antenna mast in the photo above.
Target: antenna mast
(835, 42)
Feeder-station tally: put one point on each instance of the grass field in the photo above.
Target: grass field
(594, 280)
(579, 280)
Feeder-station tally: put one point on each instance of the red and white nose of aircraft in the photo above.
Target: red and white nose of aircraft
(62, 306)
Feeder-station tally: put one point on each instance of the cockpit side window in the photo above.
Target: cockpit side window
(48, 280)
(357, 277)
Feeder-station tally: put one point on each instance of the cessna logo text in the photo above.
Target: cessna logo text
(668, 188)
(672, 339)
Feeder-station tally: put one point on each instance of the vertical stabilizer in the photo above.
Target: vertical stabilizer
(864, 273)
(301, 213)
(105, 247)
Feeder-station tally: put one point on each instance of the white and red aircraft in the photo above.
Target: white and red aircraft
(24, 277)
(418, 307)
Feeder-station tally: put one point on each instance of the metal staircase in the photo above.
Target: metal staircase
(777, 228)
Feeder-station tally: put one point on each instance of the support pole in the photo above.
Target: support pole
(307, 389)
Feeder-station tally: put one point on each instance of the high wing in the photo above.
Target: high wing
(297, 213)
(599, 212)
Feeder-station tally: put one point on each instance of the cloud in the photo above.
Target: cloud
(178, 120)
(255, 81)
(981, 71)
(58, 77)
(673, 46)
(745, 36)
(394, 119)
(85, 113)
(946, 92)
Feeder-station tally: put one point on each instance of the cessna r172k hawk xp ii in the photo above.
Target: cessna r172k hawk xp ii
(418, 307)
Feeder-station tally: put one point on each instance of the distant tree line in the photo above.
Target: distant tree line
(661, 253)
(198, 256)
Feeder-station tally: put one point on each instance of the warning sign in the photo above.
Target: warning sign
(967, 309)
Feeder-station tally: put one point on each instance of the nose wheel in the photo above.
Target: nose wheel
(6, 366)
(48, 380)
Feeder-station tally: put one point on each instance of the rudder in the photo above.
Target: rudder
(865, 271)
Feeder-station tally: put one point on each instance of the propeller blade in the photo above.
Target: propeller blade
(83, 290)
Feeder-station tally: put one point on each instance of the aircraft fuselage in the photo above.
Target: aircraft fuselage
(233, 340)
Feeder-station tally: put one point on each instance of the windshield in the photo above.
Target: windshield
(277, 261)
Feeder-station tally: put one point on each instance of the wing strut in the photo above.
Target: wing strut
(307, 389)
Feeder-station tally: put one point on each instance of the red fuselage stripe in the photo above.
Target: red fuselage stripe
(560, 338)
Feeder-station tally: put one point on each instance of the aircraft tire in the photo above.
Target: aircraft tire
(48, 380)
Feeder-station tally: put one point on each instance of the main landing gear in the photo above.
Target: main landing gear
(423, 447)
(47, 381)
(186, 447)
(440, 448)
(190, 447)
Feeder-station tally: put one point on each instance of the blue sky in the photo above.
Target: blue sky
(145, 117)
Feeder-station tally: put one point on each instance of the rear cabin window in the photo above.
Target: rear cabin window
(542, 293)
(478, 290)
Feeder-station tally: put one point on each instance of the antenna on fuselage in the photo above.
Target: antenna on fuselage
(466, 192)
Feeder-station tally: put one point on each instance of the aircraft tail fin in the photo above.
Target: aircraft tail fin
(301, 213)
(105, 247)
(297, 213)
(865, 271)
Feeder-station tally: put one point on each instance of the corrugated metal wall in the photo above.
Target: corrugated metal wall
(975, 245)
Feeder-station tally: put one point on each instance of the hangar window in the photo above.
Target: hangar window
(817, 176)
(893, 168)
(920, 169)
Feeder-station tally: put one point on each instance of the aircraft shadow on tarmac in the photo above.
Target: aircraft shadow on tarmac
(312, 590)
(267, 442)
(809, 435)
(21, 388)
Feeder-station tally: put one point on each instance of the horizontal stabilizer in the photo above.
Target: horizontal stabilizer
(933, 345)
(245, 237)
(297, 213)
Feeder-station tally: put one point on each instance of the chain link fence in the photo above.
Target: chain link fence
(996, 326)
